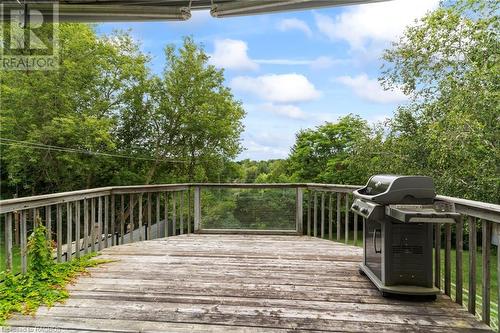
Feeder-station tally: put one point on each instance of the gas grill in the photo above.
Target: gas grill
(399, 212)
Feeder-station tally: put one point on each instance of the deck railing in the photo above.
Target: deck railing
(85, 221)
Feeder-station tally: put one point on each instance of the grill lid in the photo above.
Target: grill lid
(394, 189)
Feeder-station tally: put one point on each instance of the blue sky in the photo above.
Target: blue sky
(293, 70)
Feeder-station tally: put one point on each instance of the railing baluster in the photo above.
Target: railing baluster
(77, 229)
(188, 210)
(141, 232)
(447, 260)
(59, 232)
(85, 226)
(315, 210)
(100, 229)
(485, 249)
(166, 214)
(472, 264)
(131, 222)
(69, 231)
(299, 210)
(33, 217)
(330, 216)
(355, 229)
(498, 283)
(174, 222)
(48, 221)
(17, 218)
(92, 225)
(157, 211)
(106, 221)
(309, 204)
(338, 216)
(437, 255)
(347, 218)
(122, 218)
(113, 220)
(148, 228)
(181, 211)
(458, 266)
(322, 214)
(8, 242)
(23, 242)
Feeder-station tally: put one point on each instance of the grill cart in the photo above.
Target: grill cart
(399, 212)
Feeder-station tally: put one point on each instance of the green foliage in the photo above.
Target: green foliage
(103, 99)
(45, 282)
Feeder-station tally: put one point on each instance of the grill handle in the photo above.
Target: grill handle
(375, 240)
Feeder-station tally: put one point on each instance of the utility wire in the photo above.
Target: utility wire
(36, 145)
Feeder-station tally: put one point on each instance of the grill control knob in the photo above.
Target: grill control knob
(364, 210)
(355, 207)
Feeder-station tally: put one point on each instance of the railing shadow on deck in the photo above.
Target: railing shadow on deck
(90, 220)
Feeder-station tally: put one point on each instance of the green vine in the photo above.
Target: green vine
(45, 283)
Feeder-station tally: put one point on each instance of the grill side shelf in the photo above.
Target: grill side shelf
(420, 214)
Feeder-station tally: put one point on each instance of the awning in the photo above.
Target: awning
(163, 10)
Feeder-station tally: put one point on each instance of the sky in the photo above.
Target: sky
(293, 70)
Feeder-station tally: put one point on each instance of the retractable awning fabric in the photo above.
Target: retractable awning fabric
(164, 10)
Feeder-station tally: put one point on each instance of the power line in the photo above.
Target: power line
(37, 145)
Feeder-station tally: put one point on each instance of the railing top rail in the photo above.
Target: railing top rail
(484, 210)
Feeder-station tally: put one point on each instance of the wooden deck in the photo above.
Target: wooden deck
(239, 283)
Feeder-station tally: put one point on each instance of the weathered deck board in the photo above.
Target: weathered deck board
(239, 283)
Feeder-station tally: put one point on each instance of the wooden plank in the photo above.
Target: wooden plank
(8, 242)
(447, 260)
(78, 235)
(197, 209)
(322, 214)
(330, 217)
(338, 216)
(347, 218)
(86, 225)
(472, 264)
(315, 213)
(188, 211)
(59, 232)
(459, 246)
(69, 231)
(486, 252)
(437, 255)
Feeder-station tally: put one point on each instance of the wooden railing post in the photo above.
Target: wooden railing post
(322, 232)
(338, 215)
(437, 255)
(458, 266)
(299, 213)
(197, 209)
(472, 264)
(77, 229)
(330, 216)
(23, 242)
(309, 204)
(69, 230)
(315, 211)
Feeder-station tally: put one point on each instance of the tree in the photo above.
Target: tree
(449, 63)
(189, 115)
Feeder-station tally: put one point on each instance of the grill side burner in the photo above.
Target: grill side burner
(399, 212)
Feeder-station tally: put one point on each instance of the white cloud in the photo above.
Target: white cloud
(321, 62)
(370, 89)
(294, 24)
(373, 23)
(289, 111)
(232, 54)
(282, 88)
